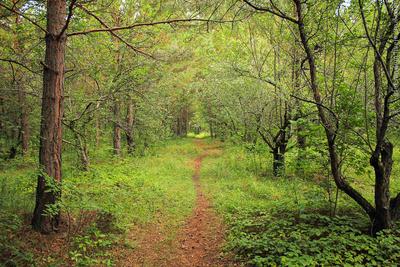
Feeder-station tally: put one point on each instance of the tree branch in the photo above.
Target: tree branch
(20, 64)
(145, 24)
(276, 12)
(113, 33)
(22, 15)
(70, 13)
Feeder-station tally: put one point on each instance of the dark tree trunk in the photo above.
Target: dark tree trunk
(382, 157)
(279, 162)
(383, 169)
(330, 128)
(117, 129)
(130, 120)
(211, 126)
(51, 115)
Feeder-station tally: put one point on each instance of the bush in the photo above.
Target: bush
(311, 240)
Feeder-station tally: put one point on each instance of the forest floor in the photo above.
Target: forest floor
(198, 241)
(188, 202)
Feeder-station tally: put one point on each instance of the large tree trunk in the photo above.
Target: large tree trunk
(381, 159)
(51, 115)
(383, 169)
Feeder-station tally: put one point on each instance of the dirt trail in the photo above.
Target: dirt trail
(198, 242)
(201, 238)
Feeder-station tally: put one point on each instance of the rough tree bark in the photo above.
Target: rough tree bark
(51, 115)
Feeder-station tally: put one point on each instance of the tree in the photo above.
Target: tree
(51, 116)
(381, 155)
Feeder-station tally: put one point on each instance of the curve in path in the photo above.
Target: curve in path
(198, 242)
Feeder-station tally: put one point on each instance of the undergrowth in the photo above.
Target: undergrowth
(98, 206)
(289, 221)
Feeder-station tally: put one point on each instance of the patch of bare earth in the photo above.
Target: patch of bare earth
(198, 242)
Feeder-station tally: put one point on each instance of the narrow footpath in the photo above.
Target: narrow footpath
(198, 241)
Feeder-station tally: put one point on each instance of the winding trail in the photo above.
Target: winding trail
(201, 237)
(198, 241)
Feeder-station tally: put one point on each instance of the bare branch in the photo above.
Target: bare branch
(146, 24)
(20, 64)
(276, 11)
(70, 13)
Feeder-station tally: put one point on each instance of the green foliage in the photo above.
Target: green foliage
(311, 240)
(90, 249)
(286, 222)
(12, 252)
(117, 193)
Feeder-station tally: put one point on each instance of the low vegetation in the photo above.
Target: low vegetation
(289, 221)
(99, 206)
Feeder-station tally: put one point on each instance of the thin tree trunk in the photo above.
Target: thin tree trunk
(329, 128)
(130, 124)
(23, 120)
(98, 130)
(83, 153)
(279, 163)
(51, 115)
(117, 129)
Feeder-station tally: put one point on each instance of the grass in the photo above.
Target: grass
(122, 192)
(286, 221)
(271, 221)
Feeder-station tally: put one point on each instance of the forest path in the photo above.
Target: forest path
(201, 237)
(198, 242)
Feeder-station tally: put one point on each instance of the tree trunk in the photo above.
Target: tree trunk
(98, 131)
(117, 129)
(24, 120)
(129, 131)
(51, 115)
(19, 84)
(84, 156)
(278, 166)
(330, 130)
(383, 169)
(83, 152)
(381, 159)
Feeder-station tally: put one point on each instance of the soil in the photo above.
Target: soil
(198, 242)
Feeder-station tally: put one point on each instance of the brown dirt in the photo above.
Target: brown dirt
(198, 242)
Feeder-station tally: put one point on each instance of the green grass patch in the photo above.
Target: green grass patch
(122, 192)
